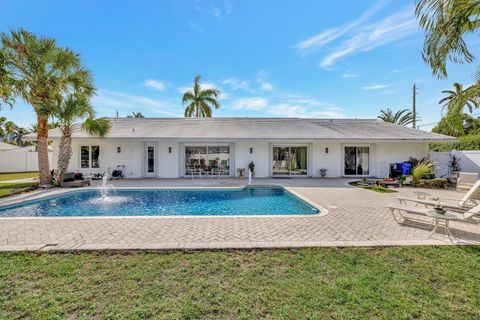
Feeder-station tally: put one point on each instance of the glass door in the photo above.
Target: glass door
(289, 161)
(357, 161)
(150, 167)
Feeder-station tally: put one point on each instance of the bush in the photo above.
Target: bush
(437, 183)
(421, 171)
(471, 142)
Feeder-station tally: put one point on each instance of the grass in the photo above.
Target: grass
(17, 175)
(311, 283)
(8, 189)
(372, 188)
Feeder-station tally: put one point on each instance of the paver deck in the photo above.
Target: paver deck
(356, 217)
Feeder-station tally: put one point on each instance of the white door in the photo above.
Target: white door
(150, 160)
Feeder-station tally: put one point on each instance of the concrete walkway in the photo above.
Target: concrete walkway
(356, 217)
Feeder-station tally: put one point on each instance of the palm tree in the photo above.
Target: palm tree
(455, 101)
(445, 23)
(36, 70)
(201, 101)
(457, 95)
(136, 115)
(401, 117)
(73, 113)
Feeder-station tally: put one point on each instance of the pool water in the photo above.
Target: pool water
(165, 202)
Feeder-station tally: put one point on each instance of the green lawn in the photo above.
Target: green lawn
(372, 188)
(8, 189)
(313, 283)
(17, 175)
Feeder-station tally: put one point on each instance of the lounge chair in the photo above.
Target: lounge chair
(469, 216)
(69, 181)
(466, 180)
(398, 211)
(464, 204)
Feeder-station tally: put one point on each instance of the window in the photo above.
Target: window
(89, 157)
(207, 160)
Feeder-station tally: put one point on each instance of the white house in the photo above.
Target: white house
(181, 147)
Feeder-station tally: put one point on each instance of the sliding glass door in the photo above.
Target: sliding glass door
(357, 161)
(289, 161)
(207, 160)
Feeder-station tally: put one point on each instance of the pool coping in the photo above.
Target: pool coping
(59, 191)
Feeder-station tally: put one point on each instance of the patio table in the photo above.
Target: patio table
(446, 217)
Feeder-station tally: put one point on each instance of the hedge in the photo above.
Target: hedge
(471, 142)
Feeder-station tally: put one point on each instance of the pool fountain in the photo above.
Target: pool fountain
(105, 189)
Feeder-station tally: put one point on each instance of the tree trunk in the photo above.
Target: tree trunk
(64, 155)
(42, 148)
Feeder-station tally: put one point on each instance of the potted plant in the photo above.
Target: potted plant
(251, 166)
(323, 172)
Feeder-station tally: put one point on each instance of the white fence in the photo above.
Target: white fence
(469, 161)
(20, 161)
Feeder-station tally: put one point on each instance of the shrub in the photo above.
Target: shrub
(470, 142)
(421, 171)
(438, 183)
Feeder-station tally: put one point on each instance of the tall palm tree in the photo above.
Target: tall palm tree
(455, 102)
(201, 100)
(456, 95)
(73, 113)
(136, 115)
(36, 70)
(401, 117)
(446, 22)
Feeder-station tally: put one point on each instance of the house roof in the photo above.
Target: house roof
(259, 129)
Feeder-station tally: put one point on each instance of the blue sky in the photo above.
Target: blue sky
(270, 58)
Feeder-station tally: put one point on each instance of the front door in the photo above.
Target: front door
(150, 163)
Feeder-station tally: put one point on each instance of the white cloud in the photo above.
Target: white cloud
(311, 44)
(155, 84)
(350, 75)
(196, 27)
(112, 100)
(387, 30)
(376, 87)
(254, 103)
(299, 111)
(237, 84)
(264, 84)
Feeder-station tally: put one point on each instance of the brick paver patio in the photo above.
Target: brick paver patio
(356, 217)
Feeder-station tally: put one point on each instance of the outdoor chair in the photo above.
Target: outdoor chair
(466, 180)
(467, 202)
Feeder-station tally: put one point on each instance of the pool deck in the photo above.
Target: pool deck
(356, 217)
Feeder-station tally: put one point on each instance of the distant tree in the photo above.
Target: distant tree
(37, 70)
(401, 117)
(73, 113)
(201, 101)
(470, 126)
(136, 115)
(455, 102)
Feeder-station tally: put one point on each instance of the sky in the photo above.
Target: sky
(269, 58)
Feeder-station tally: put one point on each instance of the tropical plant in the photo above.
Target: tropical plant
(401, 117)
(421, 170)
(251, 166)
(201, 101)
(36, 70)
(73, 113)
(470, 125)
(455, 102)
(446, 22)
(136, 115)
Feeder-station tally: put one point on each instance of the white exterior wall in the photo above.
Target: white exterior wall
(169, 165)
(260, 156)
(469, 161)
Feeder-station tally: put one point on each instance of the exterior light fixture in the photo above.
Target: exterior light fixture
(326, 150)
(119, 149)
(169, 149)
(251, 150)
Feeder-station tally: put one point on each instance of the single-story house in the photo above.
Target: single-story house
(182, 147)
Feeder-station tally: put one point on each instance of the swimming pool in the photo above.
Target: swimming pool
(165, 202)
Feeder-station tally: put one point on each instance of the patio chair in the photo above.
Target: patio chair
(466, 203)
(466, 180)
